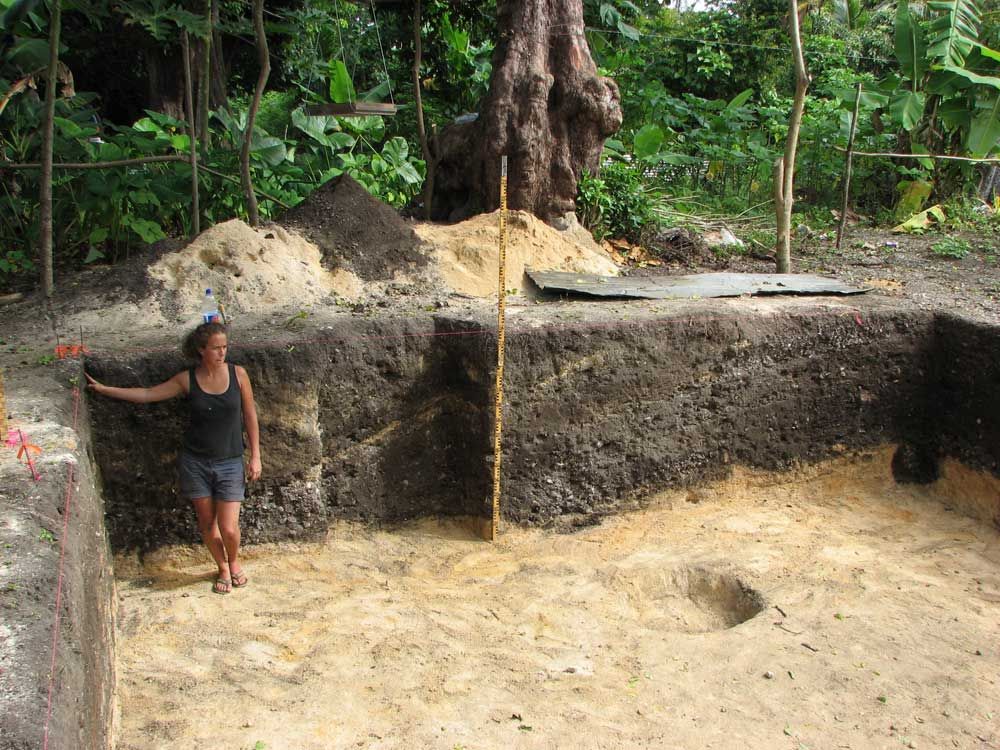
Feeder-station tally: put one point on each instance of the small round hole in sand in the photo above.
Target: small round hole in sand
(689, 599)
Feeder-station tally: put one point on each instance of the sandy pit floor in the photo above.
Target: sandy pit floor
(878, 627)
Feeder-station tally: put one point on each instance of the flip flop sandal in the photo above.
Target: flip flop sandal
(222, 586)
(240, 580)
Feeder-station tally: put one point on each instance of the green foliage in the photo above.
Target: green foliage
(616, 204)
(468, 63)
(952, 247)
(103, 214)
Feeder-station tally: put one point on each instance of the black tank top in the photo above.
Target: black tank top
(215, 429)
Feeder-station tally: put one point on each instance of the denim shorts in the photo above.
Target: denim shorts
(217, 478)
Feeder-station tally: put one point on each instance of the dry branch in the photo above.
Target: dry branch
(95, 164)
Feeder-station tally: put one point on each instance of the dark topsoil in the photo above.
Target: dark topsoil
(356, 231)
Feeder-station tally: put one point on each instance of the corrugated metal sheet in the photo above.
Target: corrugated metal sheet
(688, 287)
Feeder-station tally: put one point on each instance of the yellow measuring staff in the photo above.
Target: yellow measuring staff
(501, 316)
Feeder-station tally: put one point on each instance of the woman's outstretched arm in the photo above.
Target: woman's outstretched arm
(166, 390)
(250, 422)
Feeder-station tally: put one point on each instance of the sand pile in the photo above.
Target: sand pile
(250, 271)
(466, 253)
(357, 231)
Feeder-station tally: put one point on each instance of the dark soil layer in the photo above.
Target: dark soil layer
(356, 231)
(384, 420)
(371, 421)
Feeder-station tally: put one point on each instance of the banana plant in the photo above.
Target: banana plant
(949, 80)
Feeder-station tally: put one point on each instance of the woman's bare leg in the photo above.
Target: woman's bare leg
(227, 515)
(205, 509)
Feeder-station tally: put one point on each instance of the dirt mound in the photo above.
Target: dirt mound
(249, 270)
(466, 253)
(356, 230)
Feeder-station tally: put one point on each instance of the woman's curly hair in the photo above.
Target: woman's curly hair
(197, 339)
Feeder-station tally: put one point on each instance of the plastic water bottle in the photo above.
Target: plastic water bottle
(209, 308)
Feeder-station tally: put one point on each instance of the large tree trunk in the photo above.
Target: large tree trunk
(547, 109)
(166, 84)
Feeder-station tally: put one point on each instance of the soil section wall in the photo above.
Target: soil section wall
(389, 419)
(963, 413)
(601, 413)
(369, 420)
(31, 538)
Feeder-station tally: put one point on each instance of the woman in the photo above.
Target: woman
(211, 460)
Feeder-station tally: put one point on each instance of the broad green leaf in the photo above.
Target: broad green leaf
(271, 150)
(614, 144)
(628, 31)
(907, 108)
(110, 152)
(379, 166)
(911, 47)
(919, 223)
(869, 99)
(984, 131)
(992, 81)
(954, 31)
(30, 54)
(341, 85)
(146, 125)
(609, 14)
(67, 128)
(409, 173)
(342, 140)
(987, 52)
(98, 235)
(180, 142)
(148, 231)
(647, 141)
(916, 148)
(740, 99)
(316, 127)
(395, 150)
(370, 126)
(93, 255)
(144, 198)
(912, 196)
(954, 113)
(946, 83)
(166, 121)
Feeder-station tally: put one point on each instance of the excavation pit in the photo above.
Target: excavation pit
(850, 587)
(697, 494)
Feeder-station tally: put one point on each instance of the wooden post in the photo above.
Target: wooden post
(264, 58)
(848, 163)
(192, 135)
(419, 103)
(45, 181)
(783, 246)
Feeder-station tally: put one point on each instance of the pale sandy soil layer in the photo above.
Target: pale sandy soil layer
(874, 622)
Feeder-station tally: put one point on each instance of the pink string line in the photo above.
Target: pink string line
(67, 505)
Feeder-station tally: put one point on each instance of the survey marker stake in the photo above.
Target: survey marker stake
(501, 316)
(26, 451)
